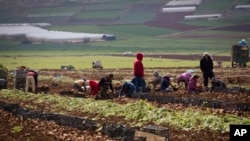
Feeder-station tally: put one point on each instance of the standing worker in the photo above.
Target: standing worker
(206, 67)
(139, 73)
(31, 81)
(104, 85)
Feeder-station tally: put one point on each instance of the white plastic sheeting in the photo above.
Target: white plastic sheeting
(178, 9)
(183, 3)
(208, 17)
(242, 6)
(38, 34)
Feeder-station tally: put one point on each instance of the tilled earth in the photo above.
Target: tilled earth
(33, 129)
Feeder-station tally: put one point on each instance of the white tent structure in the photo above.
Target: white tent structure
(175, 3)
(34, 33)
(207, 17)
(178, 9)
(247, 6)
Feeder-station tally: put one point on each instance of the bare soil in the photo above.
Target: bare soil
(39, 129)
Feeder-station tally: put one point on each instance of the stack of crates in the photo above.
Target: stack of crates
(157, 130)
(20, 79)
(240, 55)
(3, 77)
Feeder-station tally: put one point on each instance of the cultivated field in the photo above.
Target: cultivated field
(169, 43)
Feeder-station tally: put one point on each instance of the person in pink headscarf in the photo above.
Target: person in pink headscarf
(184, 78)
(192, 85)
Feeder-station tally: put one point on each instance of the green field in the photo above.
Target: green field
(85, 62)
(129, 37)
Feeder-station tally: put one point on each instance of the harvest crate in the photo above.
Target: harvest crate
(157, 130)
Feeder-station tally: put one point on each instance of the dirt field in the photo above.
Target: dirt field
(37, 129)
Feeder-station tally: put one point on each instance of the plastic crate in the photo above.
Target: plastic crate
(157, 130)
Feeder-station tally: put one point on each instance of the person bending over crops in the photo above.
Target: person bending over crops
(104, 85)
(156, 80)
(31, 81)
(128, 88)
(192, 85)
(93, 87)
(78, 84)
(183, 78)
(217, 85)
(206, 67)
(166, 83)
(139, 73)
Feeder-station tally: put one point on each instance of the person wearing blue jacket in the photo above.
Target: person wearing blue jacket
(128, 88)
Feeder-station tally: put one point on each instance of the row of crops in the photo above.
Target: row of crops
(140, 112)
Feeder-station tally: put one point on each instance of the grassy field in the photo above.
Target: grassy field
(134, 38)
(85, 62)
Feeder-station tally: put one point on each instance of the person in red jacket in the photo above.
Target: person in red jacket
(139, 73)
(93, 86)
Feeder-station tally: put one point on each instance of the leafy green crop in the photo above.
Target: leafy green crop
(141, 112)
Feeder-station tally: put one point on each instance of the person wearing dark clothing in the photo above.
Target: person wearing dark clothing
(139, 73)
(127, 89)
(206, 67)
(104, 85)
(166, 83)
(217, 85)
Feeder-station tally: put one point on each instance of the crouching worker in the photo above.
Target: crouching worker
(156, 80)
(105, 85)
(184, 78)
(93, 87)
(192, 85)
(78, 84)
(217, 85)
(166, 83)
(31, 81)
(128, 88)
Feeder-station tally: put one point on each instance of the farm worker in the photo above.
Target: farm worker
(243, 42)
(31, 81)
(217, 85)
(192, 85)
(128, 88)
(93, 85)
(184, 78)
(104, 85)
(139, 73)
(166, 83)
(206, 67)
(78, 84)
(156, 80)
